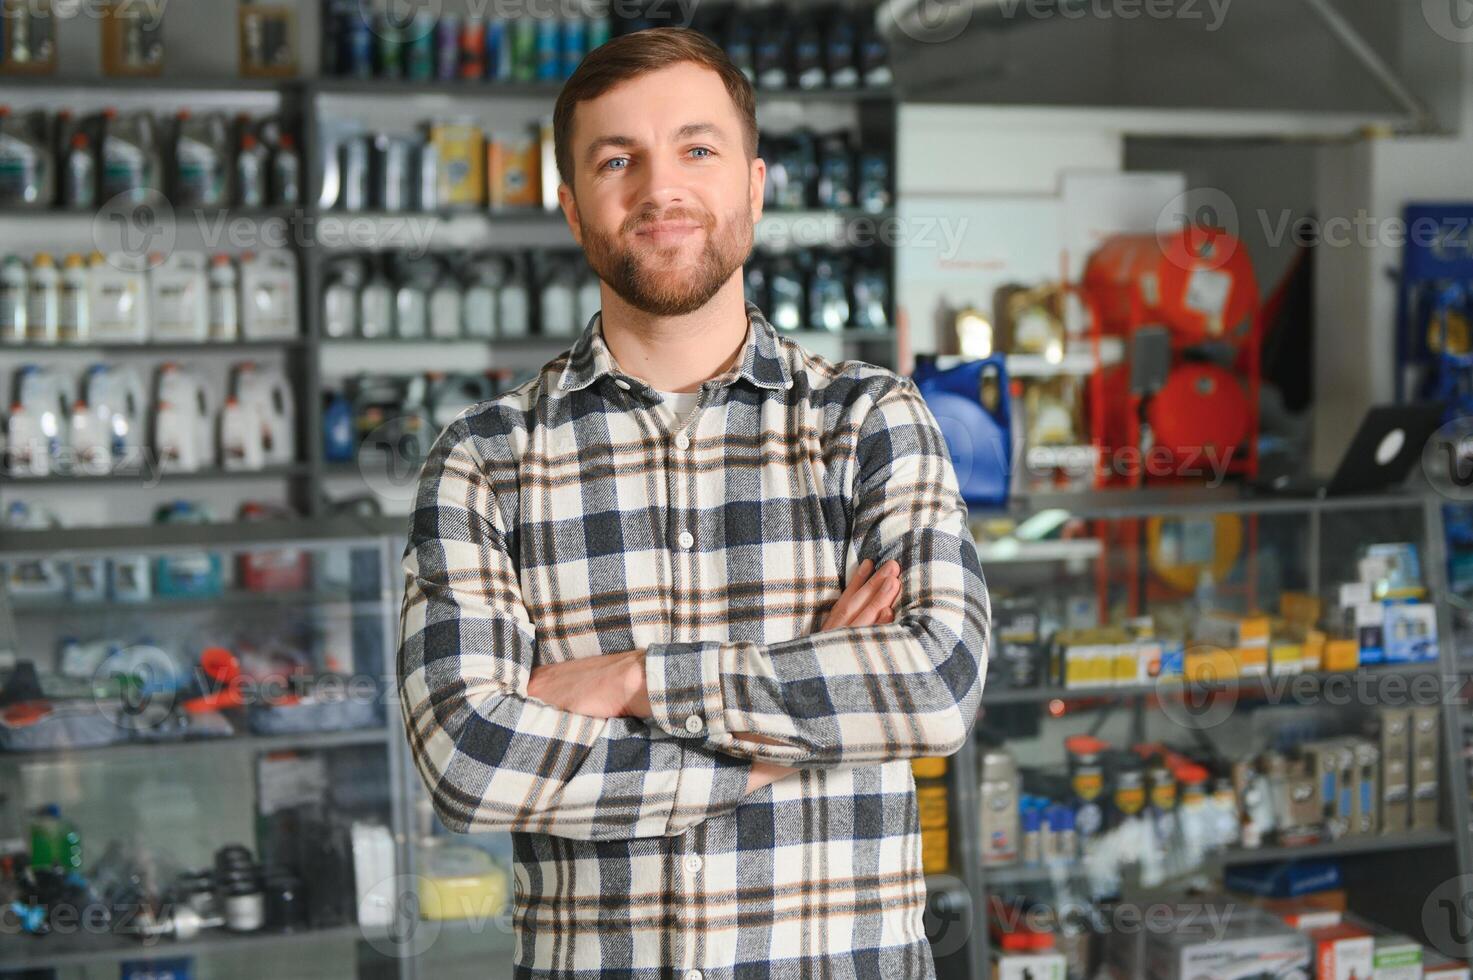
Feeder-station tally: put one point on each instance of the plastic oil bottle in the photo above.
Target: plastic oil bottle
(130, 167)
(55, 843)
(224, 300)
(43, 316)
(74, 319)
(14, 300)
(201, 147)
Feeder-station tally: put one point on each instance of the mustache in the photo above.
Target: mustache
(702, 218)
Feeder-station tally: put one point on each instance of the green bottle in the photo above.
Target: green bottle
(55, 842)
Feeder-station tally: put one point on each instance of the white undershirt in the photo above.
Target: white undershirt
(681, 403)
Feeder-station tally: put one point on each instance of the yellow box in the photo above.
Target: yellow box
(461, 150)
(1286, 658)
(1300, 607)
(478, 896)
(1210, 665)
(1341, 655)
(1252, 660)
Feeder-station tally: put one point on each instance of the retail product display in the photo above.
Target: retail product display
(425, 45)
(29, 38)
(132, 39)
(102, 422)
(812, 170)
(971, 405)
(816, 289)
(458, 297)
(400, 416)
(798, 47)
(122, 298)
(57, 160)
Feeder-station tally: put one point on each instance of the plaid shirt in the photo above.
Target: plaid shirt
(565, 518)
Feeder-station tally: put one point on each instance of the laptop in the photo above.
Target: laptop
(1383, 451)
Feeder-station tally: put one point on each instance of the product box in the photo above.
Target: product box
(1366, 812)
(1342, 952)
(1424, 775)
(1300, 608)
(1250, 943)
(1285, 659)
(461, 150)
(1396, 958)
(1395, 746)
(1409, 633)
(1309, 918)
(1367, 623)
(1325, 763)
(1435, 966)
(1252, 661)
(1204, 664)
(1028, 966)
(514, 170)
(1341, 656)
(1354, 594)
(1229, 631)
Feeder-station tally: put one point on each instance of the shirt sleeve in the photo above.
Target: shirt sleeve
(907, 689)
(492, 757)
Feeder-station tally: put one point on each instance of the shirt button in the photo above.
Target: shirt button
(686, 539)
(693, 975)
(694, 724)
(693, 863)
(682, 441)
(622, 383)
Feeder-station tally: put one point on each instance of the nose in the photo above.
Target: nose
(664, 184)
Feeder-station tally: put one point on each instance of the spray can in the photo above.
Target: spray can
(473, 48)
(419, 52)
(447, 48)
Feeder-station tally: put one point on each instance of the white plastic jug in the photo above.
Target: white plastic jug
(266, 392)
(115, 395)
(180, 286)
(183, 430)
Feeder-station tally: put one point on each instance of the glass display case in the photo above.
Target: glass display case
(1186, 688)
(199, 750)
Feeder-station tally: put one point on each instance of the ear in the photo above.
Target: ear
(570, 211)
(756, 186)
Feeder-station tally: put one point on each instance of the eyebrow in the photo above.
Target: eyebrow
(684, 132)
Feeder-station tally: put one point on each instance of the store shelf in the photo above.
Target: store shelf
(83, 948)
(229, 600)
(469, 88)
(1286, 683)
(148, 84)
(1010, 551)
(1014, 875)
(159, 347)
(123, 751)
(147, 479)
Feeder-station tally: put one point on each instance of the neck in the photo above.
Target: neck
(677, 353)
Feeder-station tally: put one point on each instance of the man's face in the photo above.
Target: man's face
(664, 198)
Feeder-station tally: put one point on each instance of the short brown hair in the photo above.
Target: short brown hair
(631, 55)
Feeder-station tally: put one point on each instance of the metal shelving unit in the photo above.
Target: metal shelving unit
(1424, 509)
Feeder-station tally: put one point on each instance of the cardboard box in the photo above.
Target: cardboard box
(1367, 622)
(514, 170)
(1396, 749)
(1285, 659)
(1409, 634)
(1324, 759)
(1342, 952)
(1341, 655)
(1252, 943)
(1206, 665)
(1435, 966)
(1365, 818)
(1229, 631)
(1028, 966)
(1424, 772)
(461, 150)
(1396, 958)
(1300, 607)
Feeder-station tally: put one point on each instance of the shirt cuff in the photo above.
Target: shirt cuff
(683, 681)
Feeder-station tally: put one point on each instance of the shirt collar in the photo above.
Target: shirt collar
(762, 361)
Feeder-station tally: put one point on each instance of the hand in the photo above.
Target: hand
(868, 599)
(600, 687)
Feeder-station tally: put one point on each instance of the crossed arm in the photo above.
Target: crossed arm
(571, 754)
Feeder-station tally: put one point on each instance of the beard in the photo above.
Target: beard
(643, 275)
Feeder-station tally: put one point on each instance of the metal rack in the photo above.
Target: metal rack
(1428, 855)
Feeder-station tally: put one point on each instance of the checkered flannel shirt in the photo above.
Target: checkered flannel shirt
(565, 519)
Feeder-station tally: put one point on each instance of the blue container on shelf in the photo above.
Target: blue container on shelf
(970, 403)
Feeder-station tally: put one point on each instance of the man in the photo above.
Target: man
(680, 611)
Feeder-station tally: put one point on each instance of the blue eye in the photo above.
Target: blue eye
(609, 164)
(701, 149)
